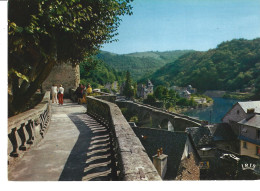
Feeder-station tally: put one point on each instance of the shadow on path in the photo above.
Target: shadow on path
(90, 158)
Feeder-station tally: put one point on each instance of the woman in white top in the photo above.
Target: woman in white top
(60, 95)
(54, 91)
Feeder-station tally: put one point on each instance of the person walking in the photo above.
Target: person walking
(83, 100)
(54, 91)
(89, 89)
(61, 93)
(79, 93)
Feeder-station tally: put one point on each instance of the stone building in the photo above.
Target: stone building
(112, 87)
(249, 136)
(212, 141)
(244, 119)
(183, 159)
(144, 90)
(241, 110)
(65, 74)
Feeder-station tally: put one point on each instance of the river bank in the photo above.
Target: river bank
(213, 113)
(183, 109)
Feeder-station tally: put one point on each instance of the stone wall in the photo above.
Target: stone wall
(64, 74)
(235, 114)
(131, 158)
(26, 129)
(159, 116)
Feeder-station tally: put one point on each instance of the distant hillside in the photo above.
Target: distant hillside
(142, 63)
(232, 65)
(100, 74)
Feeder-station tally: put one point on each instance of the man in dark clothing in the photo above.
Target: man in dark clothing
(79, 93)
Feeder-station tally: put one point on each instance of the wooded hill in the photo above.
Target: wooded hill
(232, 65)
(140, 64)
(99, 74)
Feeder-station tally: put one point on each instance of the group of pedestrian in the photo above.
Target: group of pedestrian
(81, 92)
(57, 94)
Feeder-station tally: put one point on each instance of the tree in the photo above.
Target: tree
(160, 92)
(128, 89)
(150, 99)
(44, 33)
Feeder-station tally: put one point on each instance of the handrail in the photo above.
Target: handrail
(28, 128)
(131, 159)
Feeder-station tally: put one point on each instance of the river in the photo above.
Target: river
(215, 112)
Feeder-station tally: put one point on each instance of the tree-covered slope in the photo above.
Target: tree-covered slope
(232, 65)
(99, 74)
(140, 64)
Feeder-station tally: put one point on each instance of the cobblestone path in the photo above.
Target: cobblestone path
(75, 148)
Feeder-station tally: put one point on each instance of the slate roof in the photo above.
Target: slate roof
(222, 132)
(253, 121)
(173, 144)
(201, 136)
(249, 105)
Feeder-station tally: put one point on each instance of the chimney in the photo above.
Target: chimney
(160, 162)
(250, 113)
(251, 110)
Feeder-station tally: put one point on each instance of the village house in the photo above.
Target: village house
(218, 148)
(184, 92)
(144, 90)
(112, 87)
(241, 110)
(244, 119)
(178, 149)
(249, 136)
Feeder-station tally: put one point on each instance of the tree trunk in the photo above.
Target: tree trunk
(21, 98)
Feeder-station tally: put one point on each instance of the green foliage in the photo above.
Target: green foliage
(183, 101)
(128, 88)
(232, 65)
(238, 96)
(150, 99)
(171, 98)
(43, 33)
(160, 92)
(105, 90)
(127, 114)
(140, 65)
(96, 73)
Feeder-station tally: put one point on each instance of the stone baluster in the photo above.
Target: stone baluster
(12, 138)
(28, 128)
(22, 137)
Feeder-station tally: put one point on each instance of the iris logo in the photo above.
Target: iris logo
(248, 166)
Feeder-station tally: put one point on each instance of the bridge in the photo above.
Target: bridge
(75, 142)
(159, 118)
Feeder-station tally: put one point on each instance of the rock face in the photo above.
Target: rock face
(64, 74)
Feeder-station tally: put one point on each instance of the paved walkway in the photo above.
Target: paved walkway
(75, 148)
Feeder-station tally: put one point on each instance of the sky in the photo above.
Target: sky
(163, 25)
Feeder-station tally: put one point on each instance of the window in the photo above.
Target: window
(257, 150)
(238, 112)
(244, 145)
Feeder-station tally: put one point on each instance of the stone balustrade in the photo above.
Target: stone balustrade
(130, 157)
(27, 129)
